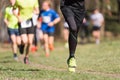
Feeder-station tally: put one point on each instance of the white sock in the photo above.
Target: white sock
(97, 41)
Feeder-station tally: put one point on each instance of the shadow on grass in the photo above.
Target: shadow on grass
(10, 69)
(7, 61)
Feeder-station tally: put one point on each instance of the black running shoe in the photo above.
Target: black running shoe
(26, 60)
(21, 49)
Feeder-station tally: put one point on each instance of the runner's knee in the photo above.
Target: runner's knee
(72, 24)
(25, 41)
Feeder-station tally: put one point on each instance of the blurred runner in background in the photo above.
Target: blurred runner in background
(26, 10)
(97, 22)
(84, 31)
(35, 41)
(47, 19)
(66, 34)
(12, 23)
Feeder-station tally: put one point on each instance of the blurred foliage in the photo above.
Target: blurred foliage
(112, 23)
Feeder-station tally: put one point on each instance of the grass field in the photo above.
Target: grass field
(94, 62)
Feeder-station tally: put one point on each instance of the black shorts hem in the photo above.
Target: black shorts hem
(13, 32)
(96, 28)
(29, 30)
(49, 33)
(66, 27)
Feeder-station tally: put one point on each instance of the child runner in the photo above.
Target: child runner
(12, 24)
(35, 42)
(47, 19)
(97, 21)
(66, 34)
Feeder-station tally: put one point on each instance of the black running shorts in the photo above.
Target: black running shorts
(73, 8)
(29, 30)
(96, 28)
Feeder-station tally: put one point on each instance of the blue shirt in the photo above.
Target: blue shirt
(47, 17)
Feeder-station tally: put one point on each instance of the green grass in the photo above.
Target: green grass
(94, 62)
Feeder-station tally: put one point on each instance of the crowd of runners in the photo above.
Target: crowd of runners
(27, 24)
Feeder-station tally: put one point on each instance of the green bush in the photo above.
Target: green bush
(112, 26)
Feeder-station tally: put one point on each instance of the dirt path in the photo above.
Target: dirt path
(39, 66)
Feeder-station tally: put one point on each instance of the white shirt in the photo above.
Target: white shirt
(97, 19)
(34, 18)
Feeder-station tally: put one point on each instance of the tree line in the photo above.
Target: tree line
(101, 4)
